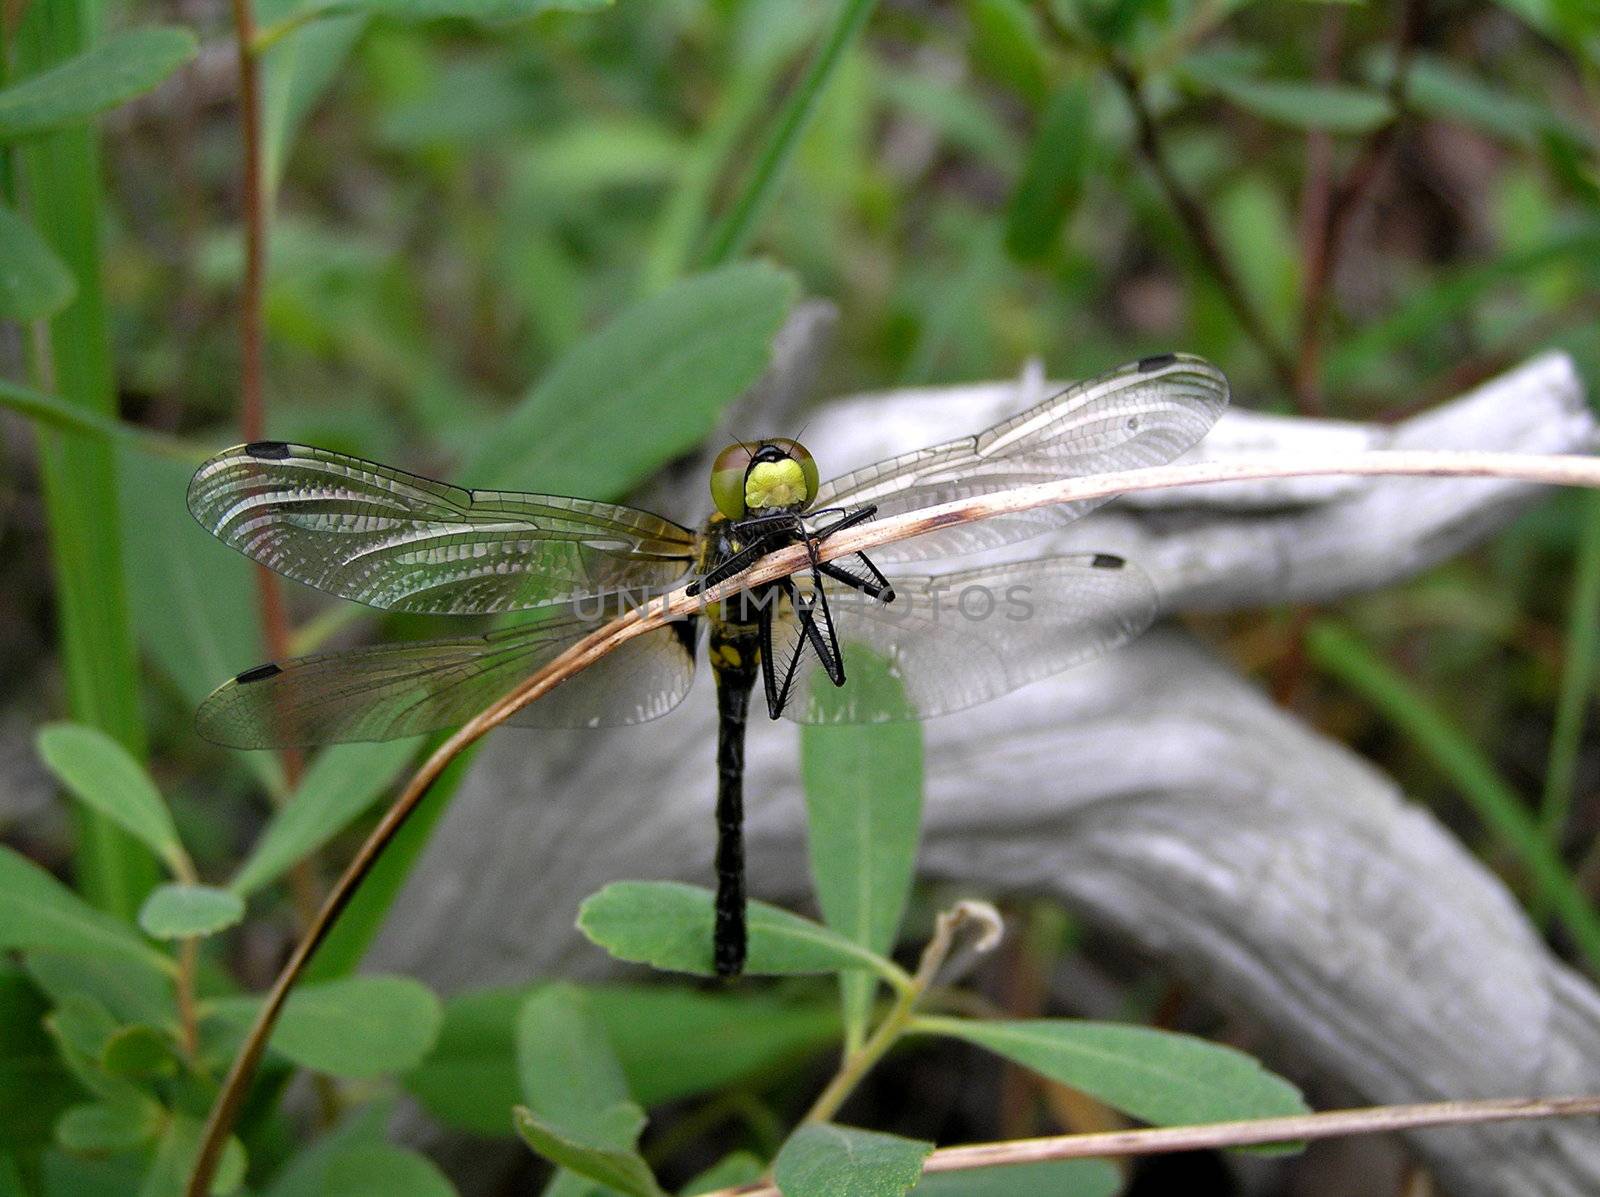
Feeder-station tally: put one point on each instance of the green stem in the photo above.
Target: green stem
(67, 417)
(730, 237)
(1341, 653)
(60, 175)
(1577, 676)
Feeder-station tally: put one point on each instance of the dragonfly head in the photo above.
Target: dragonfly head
(771, 475)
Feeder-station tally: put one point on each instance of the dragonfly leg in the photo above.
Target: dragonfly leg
(876, 586)
(738, 563)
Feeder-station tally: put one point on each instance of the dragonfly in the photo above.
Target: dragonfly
(919, 644)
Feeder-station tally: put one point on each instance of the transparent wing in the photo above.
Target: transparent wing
(951, 642)
(390, 691)
(395, 540)
(1144, 414)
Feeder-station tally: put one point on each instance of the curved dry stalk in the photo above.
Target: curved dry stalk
(1555, 470)
(1333, 1124)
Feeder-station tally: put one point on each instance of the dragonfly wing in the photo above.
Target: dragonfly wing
(395, 540)
(1144, 414)
(394, 690)
(950, 642)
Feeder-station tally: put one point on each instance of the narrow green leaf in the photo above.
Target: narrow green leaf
(485, 11)
(354, 1027)
(668, 926)
(341, 784)
(823, 1160)
(37, 911)
(34, 283)
(863, 787)
(1157, 1076)
(105, 1127)
(1441, 89)
(1331, 107)
(102, 774)
(672, 1043)
(383, 1170)
(179, 911)
(623, 1171)
(646, 388)
(296, 72)
(1053, 178)
(1341, 653)
(1057, 1178)
(102, 77)
(727, 241)
(1008, 46)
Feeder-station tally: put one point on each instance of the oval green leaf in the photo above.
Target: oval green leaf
(114, 70)
(823, 1160)
(668, 925)
(182, 911)
(1157, 1076)
(570, 1076)
(103, 775)
(623, 1171)
(645, 389)
(383, 1170)
(354, 1027)
(37, 911)
(139, 1053)
(34, 283)
(106, 1127)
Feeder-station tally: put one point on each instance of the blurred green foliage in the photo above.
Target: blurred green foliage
(493, 216)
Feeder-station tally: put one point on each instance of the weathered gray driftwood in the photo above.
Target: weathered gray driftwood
(1156, 792)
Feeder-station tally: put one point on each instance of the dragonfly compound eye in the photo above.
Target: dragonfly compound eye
(727, 480)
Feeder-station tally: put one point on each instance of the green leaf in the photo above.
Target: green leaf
(1057, 1178)
(295, 73)
(139, 1053)
(623, 1171)
(668, 925)
(105, 1127)
(577, 1096)
(34, 283)
(34, 1086)
(569, 1074)
(305, 1174)
(133, 995)
(672, 1043)
(1008, 46)
(181, 911)
(1441, 89)
(175, 1156)
(354, 1027)
(1332, 107)
(863, 786)
(740, 1168)
(102, 774)
(645, 389)
(342, 783)
(1157, 1076)
(823, 1160)
(1053, 178)
(485, 11)
(382, 1170)
(115, 70)
(37, 911)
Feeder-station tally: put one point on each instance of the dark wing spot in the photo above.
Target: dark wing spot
(259, 674)
(1107, 561)
(1156, 362)
(271, 450)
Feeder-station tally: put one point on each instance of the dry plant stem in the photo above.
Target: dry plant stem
(1525, 467)
(1198, 226)
(1334, 1124)
(252, 383)
(1322, 258)
(184, 984)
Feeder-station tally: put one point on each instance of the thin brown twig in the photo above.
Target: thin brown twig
(1332, 1124)
(1555, 470)
(1322, 258)
(1198, 226)
(303, 885)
